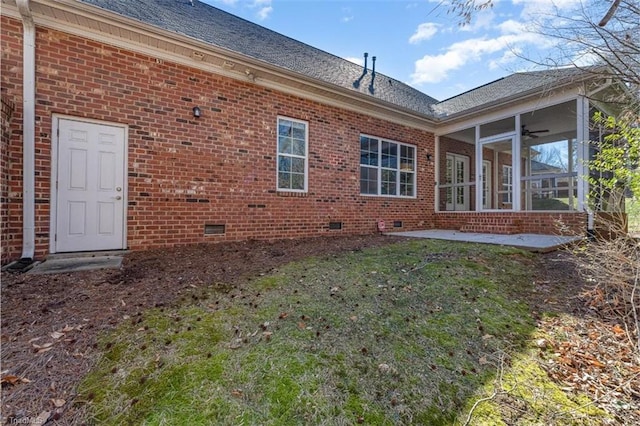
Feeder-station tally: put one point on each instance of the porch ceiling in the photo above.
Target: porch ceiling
(559, 119)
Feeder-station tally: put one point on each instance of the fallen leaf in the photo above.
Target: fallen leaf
(58, 402)
(302, 325)
(68, 328)
(9, 379)
(618, 330)
(237, 393)
(353, 318)
(56, 335)
(283, 315)
(42, 418)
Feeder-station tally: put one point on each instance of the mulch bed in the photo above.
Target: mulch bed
(51, 323)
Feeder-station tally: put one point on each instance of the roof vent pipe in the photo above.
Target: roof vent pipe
(373, 74)
(356, 83)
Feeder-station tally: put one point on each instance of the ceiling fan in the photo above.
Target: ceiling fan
(531, 133)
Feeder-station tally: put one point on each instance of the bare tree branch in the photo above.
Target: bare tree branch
(610, 13)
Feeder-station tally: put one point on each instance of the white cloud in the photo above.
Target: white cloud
(508, 57)
(436, 68)
(359, 61)
(264, 12)
(481, 20)
(347, 14)
(264, 8)
(532, 8)
(424, 32)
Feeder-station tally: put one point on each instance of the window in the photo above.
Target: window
(507, 184)
(387, 168)
(292, 155)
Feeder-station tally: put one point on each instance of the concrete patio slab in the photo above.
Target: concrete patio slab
(57, 265)
(532, 242)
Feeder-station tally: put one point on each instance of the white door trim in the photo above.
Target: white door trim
(55, 124)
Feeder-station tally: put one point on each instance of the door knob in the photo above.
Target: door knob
(118, 189)
(118, 197)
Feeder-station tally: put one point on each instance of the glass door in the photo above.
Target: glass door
(457, 182)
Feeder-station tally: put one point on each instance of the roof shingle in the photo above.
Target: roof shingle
(218, 28)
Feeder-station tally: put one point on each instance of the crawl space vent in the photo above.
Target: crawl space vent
(397, 224)
(212, 229)
(335, 225)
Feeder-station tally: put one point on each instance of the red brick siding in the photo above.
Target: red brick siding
(7, 250)
(513, 222)
(220, 168)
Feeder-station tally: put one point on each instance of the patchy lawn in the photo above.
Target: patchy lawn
(326, 331)
(411, 333)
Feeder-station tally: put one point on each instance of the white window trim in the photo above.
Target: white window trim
(379, 168)
(306, 156)
(487, 182)
(508, 185)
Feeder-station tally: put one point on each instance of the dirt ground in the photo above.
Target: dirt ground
(51, 323)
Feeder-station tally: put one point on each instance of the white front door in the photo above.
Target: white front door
(89, 187)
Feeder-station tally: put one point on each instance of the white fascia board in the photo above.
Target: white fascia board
(517, 106)
(214, 59)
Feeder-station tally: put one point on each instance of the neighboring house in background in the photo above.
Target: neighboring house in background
(151, 123)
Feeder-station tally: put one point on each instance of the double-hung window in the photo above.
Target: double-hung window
(387, 168)
(293, 137)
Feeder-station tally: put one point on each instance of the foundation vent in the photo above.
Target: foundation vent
(397, 224)
(335, 225)
(214, 229)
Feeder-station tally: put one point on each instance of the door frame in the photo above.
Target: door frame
(487, 178)
(55, 142)
(465, 185)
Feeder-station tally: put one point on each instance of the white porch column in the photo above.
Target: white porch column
(517, 167)
(478, 170)
(582, 141)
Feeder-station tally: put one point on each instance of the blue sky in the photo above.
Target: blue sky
(417, 41)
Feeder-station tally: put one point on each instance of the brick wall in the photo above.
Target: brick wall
(7, 250)
(183, 172)
(574, 223)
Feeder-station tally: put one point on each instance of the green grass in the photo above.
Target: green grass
(409, 333)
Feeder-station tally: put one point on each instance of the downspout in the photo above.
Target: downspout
(28, 130)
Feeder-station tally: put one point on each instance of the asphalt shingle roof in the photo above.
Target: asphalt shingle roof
(216, 27)
(507, 87)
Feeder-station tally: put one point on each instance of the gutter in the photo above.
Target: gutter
(28, 131)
